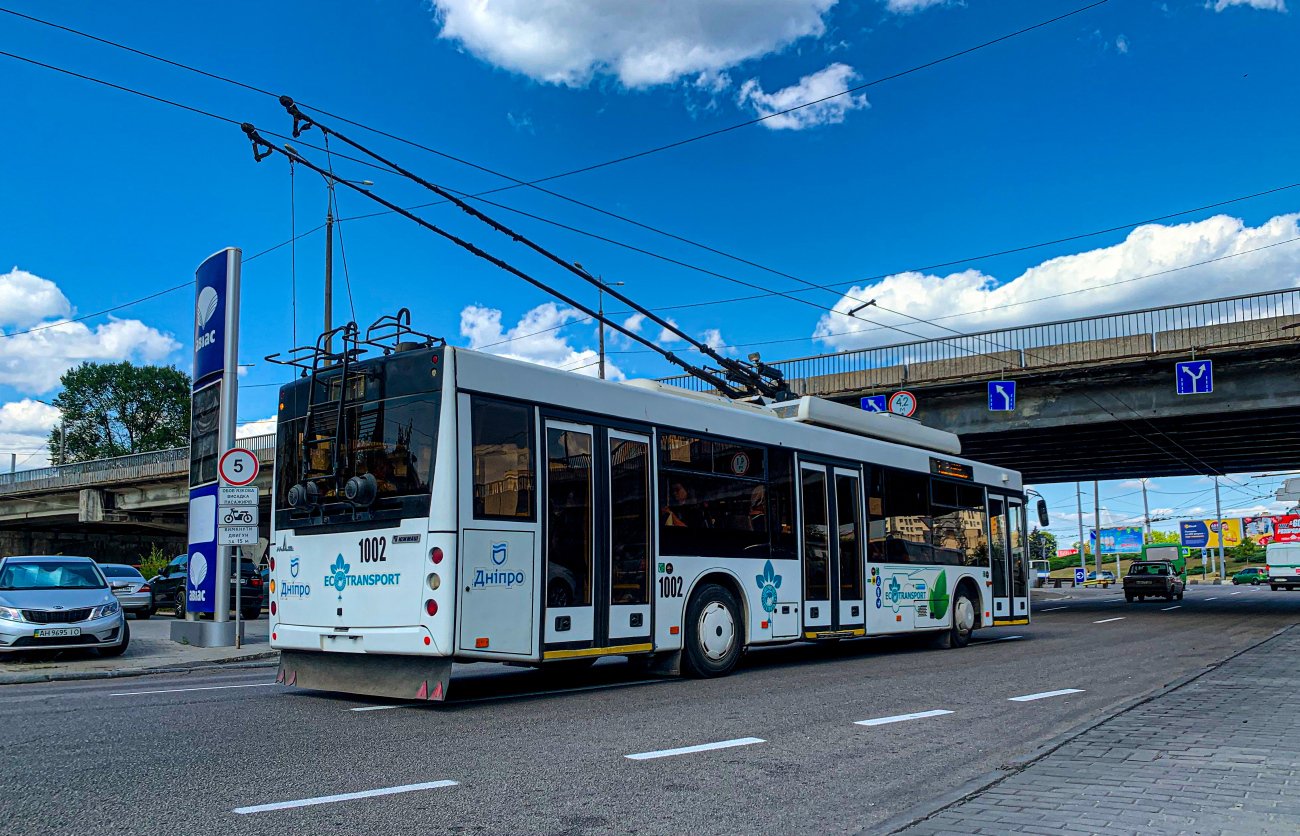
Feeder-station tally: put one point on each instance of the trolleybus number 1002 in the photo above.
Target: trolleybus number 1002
(373, 549)
(670, 586)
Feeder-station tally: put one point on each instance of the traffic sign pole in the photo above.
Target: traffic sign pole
(237, 516)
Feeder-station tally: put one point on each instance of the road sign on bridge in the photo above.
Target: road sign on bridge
(875, 403)
(1002, 396)
(1195, 377)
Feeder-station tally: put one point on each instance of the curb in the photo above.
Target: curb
(260, 659)
(924, 811)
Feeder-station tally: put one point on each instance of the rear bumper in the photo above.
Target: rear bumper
(374, 675)
(406, 641)
(1285, 580)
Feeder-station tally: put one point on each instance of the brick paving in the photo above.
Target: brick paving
(1218, 755)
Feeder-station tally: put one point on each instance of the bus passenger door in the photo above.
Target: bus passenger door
(998, 557)
(832, 548)
(570, 535)
(1019, 559)
(629, 549)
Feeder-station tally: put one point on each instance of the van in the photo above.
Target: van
(1283, 565)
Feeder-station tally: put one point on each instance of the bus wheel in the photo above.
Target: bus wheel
(714, 635)
(963, 620)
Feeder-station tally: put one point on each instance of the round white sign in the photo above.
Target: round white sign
(238, 467)
(903, 403)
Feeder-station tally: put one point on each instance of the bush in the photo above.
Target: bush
(153, 562)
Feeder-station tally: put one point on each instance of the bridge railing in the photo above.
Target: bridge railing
(131, 468)
(1270, 316)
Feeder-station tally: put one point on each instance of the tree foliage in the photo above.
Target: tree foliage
(115, 409)
(1042, 544)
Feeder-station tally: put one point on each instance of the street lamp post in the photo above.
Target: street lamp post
(600, 310)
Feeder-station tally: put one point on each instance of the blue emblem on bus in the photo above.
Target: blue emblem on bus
(499, 553)
(340, 575)
(769, 582)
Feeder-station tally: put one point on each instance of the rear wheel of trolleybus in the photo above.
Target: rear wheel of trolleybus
(715, 634)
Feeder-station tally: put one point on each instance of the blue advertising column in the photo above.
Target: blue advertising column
(212, 432)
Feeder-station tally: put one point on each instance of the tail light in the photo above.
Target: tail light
(435, 554)
(144, 587)
(273, 564)
(256, 581)
(272, 608)
(431, 607)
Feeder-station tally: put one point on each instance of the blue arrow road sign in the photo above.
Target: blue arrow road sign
(1195, 377)
(1080, 576)
(875, 403)
(1002, 395)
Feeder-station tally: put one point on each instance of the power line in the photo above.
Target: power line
(98, 313)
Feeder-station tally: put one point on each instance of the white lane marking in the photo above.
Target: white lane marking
(384, 707)
(1045, 694)
(1234, 593)
(347, 796)
(179, 690)
(1175, 607)
(899, 718)
(1105, 620)
(1054, 609)
(703, 747)
(999, 639)
(1215, 598)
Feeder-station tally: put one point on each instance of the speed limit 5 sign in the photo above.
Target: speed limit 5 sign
(238, 467)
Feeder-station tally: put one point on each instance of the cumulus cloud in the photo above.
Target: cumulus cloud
(1119, 277)
(830, 81)
(25, 429)
(1267, 5)
(537, 338)
(1121, 44)
(26, 299)
(34, 361)
(260, 426)
(641, 44)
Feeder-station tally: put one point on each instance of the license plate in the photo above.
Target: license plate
(57, 632)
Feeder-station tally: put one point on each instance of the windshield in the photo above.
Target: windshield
(52, 574)
(389, 432)
(112, 571)
(1149, 569)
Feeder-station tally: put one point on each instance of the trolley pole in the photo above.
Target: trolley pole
(600, 310)
(329, 261)
(1218, 513)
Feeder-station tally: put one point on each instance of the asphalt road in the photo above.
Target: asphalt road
(530, 752)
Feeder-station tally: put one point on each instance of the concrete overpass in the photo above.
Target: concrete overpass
(1096, 395)
(110, 509)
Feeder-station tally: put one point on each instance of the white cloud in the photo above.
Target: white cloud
(26, 299)
(1111, 273)
(33, 362)
(634, 322)
(667, 337)
(907, 7)
(1121, 44)
(834, 79)
(535, 339)
(712, 337)
(24, 429)
(641, 44)
(261, 426)
(1267, 5)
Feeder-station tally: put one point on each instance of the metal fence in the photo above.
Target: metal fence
(1238, 320)
(132, 468)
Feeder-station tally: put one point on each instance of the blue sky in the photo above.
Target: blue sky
(1130, 110)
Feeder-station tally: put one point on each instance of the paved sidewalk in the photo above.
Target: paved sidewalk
(151, 651)
(1219, 754)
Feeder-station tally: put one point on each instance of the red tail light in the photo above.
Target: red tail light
(436, 555)
(431, 607)
(256, 581)
(272, 608)
(273, 564)
(144, 587)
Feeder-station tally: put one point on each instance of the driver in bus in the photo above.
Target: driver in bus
(681, 508)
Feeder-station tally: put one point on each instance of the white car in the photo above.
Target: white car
(59, 603)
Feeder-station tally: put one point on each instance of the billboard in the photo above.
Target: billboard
(1283, 528)
(1126, 540)
(1204, 534)
(212, 424)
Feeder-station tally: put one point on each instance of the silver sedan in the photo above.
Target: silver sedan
(59, 603)
(130, 587)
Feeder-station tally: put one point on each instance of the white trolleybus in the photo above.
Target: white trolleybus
(436, 504)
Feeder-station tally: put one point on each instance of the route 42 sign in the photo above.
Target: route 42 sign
(238, 467)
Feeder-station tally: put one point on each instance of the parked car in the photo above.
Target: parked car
(1106, 576)
(169, 587)
(59, 602)
(1253, 575)
(1152, 579)
(130, 587)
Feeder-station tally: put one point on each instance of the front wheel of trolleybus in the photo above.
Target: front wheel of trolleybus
(715, 636)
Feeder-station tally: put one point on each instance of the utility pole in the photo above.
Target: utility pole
(1218, 513)
(329, 260)
(600, 310)
(13, 463)
(1078, 504)
(1146, 514)
(1096, 527)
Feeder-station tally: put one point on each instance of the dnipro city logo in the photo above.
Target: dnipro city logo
(769, 582)
(293, 567)
(339, 577)
(499, 553)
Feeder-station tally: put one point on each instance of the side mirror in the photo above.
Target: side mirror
(1043, 521)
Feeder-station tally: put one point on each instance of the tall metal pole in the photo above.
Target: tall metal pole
(600, 309)
(13, 463)
(1146, 515)
(329, 262)
(1218, 513)
(1096, 527)
(1078, 504)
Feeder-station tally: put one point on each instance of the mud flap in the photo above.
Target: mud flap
(397, 677)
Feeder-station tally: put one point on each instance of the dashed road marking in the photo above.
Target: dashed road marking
(1054, 609)
(1106, 620)
(1175, 607)
(1215, 598)
(900, 718)
(347, 796)
(179, 690)
(1234, 593)
(688, 750)
(1045, 694)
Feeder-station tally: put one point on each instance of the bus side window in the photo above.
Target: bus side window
(502, 438)
(907, 533)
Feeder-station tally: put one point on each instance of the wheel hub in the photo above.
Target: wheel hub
(717, 631)
(964, 614)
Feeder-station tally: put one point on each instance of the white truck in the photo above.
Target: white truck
(1283, 565)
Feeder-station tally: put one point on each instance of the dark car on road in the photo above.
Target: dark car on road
(169, 588)
(1153, 579)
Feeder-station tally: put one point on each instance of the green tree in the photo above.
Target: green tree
(114, 409)
(1042, 544)
(1164, 537)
